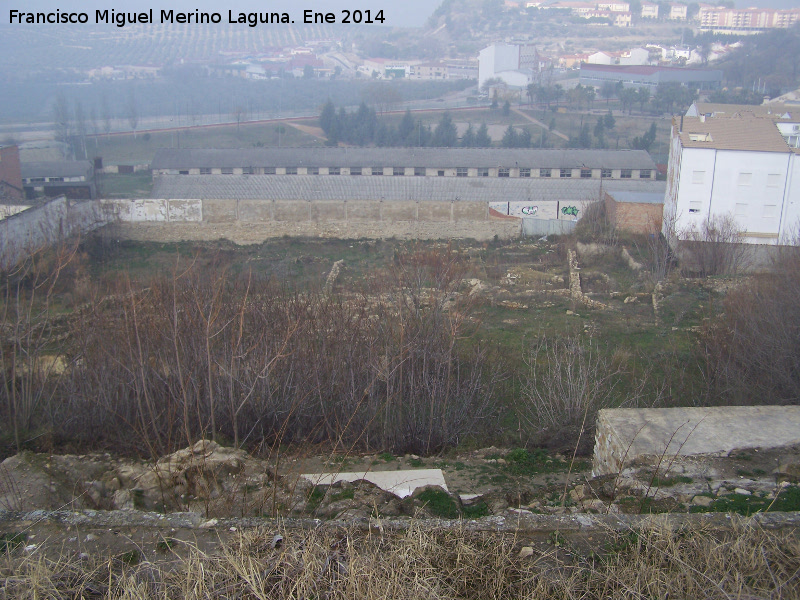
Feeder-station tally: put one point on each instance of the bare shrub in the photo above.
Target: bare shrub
(597, 226)
(205, 353)
(715, 248)
(753, 349)
(30, 352)
(568, 381)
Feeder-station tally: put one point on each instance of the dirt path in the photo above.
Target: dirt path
(540, 124)
(315, 131)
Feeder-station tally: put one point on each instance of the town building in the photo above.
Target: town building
(786, 117)
(720, 19)
(678, 11)
(73, 179)
(650, 76)
(515, 64)
(732, 166)
(649, 10)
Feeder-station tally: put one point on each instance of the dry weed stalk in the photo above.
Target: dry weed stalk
(657, 560)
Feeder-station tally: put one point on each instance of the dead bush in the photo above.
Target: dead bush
(568, 381)
(753, 348)
(715, 248)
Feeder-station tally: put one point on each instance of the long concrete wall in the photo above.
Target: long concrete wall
(253, 221)
(27, 232)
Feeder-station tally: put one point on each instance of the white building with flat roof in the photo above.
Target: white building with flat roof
(515, 64)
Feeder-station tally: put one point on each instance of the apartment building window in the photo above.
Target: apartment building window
(334, 171)
(419, 171)
(545, 173)
(205, 171)
(440, 173)
(269, 170)
(698, 176)
(626, 173)
(695, 206)
(525, 172)
(355, 170)
(566, 173)
(227, 170)
(504, 172)
(62, 179)
(398, 171)
(248, 170)
(774, 180)
(377, 170)
(745, 178)
(312, 170)
(291, 170)
(645, 174)
(586, 173)
(462, 171)
(605, 173)
(483, 172)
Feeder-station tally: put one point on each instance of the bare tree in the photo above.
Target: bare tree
(133, 112)
(62, 118)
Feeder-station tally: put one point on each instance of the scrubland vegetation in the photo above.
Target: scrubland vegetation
(417, 347)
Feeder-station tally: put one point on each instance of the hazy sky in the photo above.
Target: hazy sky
(396, 12)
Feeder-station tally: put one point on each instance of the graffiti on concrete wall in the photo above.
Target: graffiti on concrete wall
(569, 211)
(530, 211)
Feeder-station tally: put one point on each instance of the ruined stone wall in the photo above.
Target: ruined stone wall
(253, 221)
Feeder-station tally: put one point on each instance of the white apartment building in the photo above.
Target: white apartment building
(515, 64)
(739, 166)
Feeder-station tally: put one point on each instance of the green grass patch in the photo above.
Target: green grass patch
(475, 511)
(386, 456)
(11, 541)
(439, 503)
(522, 461)
(788, 500)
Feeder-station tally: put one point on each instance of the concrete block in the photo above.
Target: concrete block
(625, 435)
(185, 210)
(469, 211)
(434, 211)
(401, 483)
(255, 211)
(295, 210)
(401, 211)
(363, 210)
(219, 211)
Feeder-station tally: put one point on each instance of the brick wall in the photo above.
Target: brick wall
(636, 217)
(11, 172)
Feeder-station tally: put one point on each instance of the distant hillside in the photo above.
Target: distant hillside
(770, 58)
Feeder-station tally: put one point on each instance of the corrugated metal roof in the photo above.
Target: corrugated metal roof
(187, 158)
(423, 189)
(751, 134)
(61, 168)
(637, 197)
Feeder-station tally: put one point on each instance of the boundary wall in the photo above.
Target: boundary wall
(253, 221)
(27, 232)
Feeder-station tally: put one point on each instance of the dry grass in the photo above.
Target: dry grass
(743, 562)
